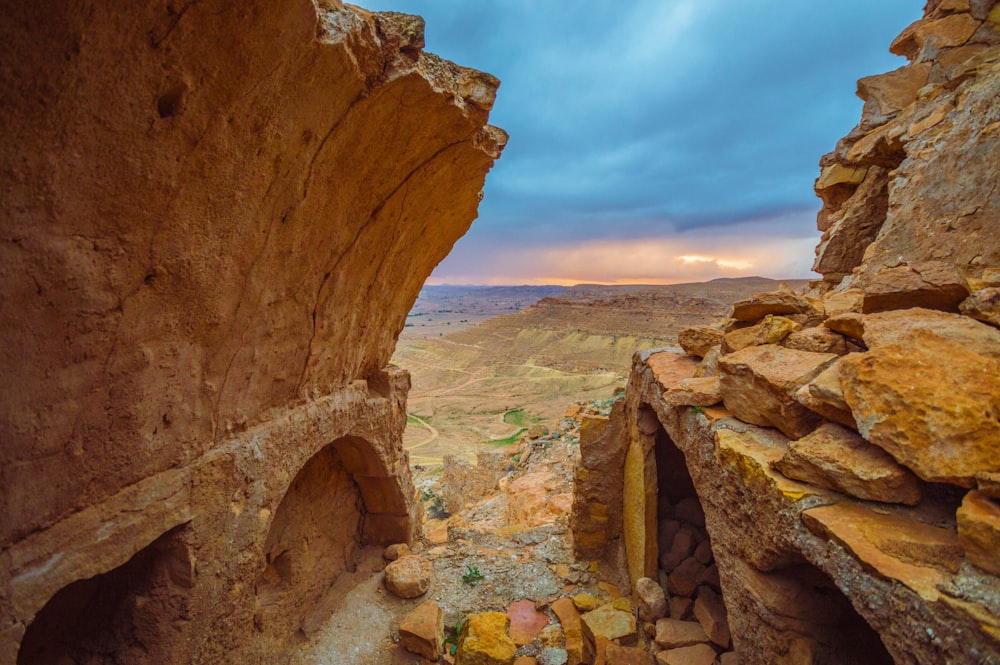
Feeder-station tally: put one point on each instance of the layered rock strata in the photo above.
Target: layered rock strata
(216, 217)
(847, 460)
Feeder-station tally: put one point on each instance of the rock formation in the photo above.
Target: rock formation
(848, 459)
(216, 217)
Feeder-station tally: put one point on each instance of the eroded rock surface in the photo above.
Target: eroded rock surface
(856, 416)
(216, 219)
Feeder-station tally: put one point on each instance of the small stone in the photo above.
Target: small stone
(526, 622)
(606, 621)
(711, 614)
(622, 603)
(825, 396)
(553, 656)
(673, 633)
(665, 534)
(680, 607)
(422, 630)
(396, 551)
(584, 602)
(684, 579)
(729, 658)
(983, 305)
(979, 530)
(651, 599)
(408, 576)
(484, 641)
(616, 655)
(689, 510)
(703, 552)
(681, 548)
(572, 627)
(710, 575)
(698, 654)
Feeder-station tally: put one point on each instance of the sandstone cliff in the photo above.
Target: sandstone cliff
(843, 445)
(216, 217)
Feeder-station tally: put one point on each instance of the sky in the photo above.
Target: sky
(657, 141)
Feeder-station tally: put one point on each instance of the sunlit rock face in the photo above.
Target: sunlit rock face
(849, 473)
(216, 217)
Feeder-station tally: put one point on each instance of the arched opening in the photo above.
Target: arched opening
(136, 613)
(340, 500)
(313, 538)
(810, 620)
(686, 564)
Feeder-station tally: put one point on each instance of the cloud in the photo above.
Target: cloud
(658, 117)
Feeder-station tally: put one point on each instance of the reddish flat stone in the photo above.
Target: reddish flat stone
(525, 621)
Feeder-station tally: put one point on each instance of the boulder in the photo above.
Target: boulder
(851, 324)
(929, 284)
(526, 498)
(775, 302)
(709, 365)
(703, 391)
(769, 330)
(842, 302)
(819, 339)
(610, 623)
(979, 530)
(526, 622)
(900, 327)
(983, 305)
(947, 32)
(934, 406)
(699, 340)
(758, 384)
(484, 641)
(408, 576)
(710, 612)
(853, 227)
(422, 630)
(895, 90)
(672, 633)
(698, 654)
(650, 599)
(824, 395)
(837, 458)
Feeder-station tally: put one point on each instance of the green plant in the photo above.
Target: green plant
(452, 633)
(697, 410)
(472, 576)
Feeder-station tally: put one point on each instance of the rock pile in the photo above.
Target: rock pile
(845, 441)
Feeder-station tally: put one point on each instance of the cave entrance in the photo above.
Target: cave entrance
(686, 566)
(136, 613)
(341, 499)
(815, 621)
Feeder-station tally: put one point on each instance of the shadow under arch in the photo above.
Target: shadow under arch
(343, 498)
(135, 613)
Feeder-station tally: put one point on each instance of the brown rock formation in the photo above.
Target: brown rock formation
(815, 559)
(216, 219)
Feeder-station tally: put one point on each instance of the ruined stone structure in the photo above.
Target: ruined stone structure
(844, 445)
(216, 216)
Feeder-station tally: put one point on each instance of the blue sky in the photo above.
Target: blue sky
(657, 141)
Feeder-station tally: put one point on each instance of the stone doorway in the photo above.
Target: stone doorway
(135, 613)
(686, 567)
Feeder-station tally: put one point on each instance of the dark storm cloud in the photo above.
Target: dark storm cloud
(656, 118)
